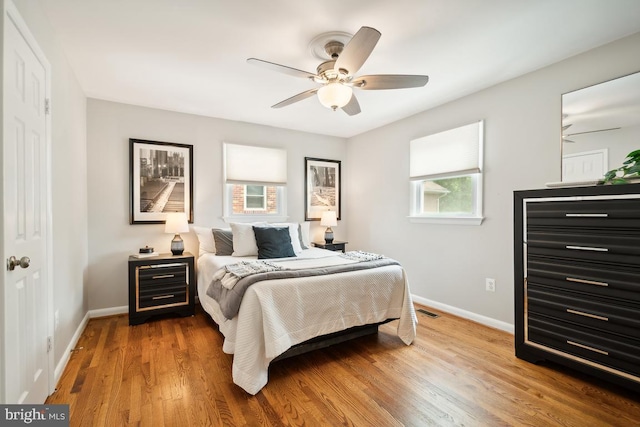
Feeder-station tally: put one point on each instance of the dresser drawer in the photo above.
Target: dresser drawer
(593, 255)
(586, 277)
(607, 314)
(617, 352)
(585, 241)
(596, 213)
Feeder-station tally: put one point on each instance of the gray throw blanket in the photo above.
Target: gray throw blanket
(230, 299)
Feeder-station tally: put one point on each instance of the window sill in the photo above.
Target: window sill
(446, 220)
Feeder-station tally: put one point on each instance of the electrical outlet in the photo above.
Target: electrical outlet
(56, 319)
(490, 285)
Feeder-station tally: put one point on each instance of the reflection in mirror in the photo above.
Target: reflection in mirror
(600, 126)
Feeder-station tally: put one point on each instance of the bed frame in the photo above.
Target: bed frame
(330, 339)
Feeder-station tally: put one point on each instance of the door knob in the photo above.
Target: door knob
(14, 262)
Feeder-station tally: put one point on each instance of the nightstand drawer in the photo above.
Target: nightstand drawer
(335, 246)
(164, 273)
(171, 296)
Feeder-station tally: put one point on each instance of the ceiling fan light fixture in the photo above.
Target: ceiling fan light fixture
(334, 95)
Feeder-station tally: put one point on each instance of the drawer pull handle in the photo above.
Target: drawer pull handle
(587, 282)
(163, 296)
(587, 248)
(586, 347)
(587, 215)
(163, 276)
(582, 313)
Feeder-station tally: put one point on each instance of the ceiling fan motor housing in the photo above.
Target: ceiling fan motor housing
(327, 73)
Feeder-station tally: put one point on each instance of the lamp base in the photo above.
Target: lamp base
(328, 235)
(177, 245)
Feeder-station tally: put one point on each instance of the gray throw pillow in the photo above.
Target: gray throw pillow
(302, 245)
(224, 241)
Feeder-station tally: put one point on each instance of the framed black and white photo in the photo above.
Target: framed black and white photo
(161, 179)
(322, 187)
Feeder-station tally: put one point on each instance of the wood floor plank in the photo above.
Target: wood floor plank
(172, 372)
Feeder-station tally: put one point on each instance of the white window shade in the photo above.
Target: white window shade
(246, 164)
(453, 152)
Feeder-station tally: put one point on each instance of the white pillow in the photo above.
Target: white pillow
(205, 238)
(293, 233)
(305, 228)
(244, 240)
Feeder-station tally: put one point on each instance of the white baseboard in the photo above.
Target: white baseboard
(62, 364)
(112, 311)
(487, 321)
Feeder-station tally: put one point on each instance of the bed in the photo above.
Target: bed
(278, 317)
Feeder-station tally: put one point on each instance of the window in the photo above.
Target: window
(446, 176)
(255, 197)
(255, 182)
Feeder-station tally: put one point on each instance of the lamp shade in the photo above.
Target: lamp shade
(334, 95)
(176, 223)
(329, 219)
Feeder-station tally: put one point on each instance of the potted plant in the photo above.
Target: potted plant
(630, 170)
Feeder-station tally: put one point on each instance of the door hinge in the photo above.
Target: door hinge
(47, 106)
(49, 344)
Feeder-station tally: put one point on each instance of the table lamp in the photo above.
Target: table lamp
(176, 223)
(329, 219)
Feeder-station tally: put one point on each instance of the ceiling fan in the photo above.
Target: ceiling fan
(337, 75)
(565, 137)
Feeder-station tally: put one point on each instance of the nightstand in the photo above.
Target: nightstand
(161, 284)
(334, 246)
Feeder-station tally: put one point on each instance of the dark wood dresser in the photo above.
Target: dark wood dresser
(577, 279)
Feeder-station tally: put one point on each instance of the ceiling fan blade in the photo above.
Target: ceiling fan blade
(592, 131)
(295, 98)
(357, 50)
(281, 68)
(353, 106)
(389, 81)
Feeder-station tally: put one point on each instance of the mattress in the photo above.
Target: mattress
(277, 314)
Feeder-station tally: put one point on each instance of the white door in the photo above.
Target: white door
(26, 300)
(584, 166)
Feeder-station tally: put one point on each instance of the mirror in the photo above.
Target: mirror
(600, 126)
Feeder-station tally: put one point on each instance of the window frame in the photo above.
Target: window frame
(279, 216)
(416, 214)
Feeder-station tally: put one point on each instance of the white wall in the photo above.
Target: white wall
(448, 264)
(112, 238)
(69, 182)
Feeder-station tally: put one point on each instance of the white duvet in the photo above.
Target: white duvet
(277, 314)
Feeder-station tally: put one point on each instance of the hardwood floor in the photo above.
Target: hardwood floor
(172, 372)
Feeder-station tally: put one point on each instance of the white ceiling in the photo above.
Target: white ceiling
(190, 55)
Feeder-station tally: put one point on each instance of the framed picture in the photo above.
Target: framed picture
(322, 187)
(161, 180)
